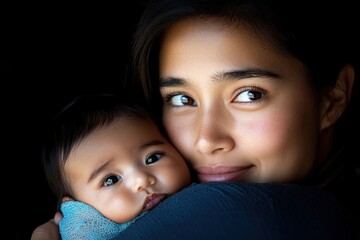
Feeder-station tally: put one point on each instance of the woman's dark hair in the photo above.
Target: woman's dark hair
(74, 123)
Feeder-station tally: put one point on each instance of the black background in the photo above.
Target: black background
(62, 51)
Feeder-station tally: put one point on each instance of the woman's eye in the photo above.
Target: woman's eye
(182, 100)
(153, 158)
(249, 96)
(111, 180)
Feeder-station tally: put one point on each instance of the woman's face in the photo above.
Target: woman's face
(235, 107)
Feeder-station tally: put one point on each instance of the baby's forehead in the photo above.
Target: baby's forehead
(126, 122)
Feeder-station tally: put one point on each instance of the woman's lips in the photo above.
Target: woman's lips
(221, 174)
(152, 201)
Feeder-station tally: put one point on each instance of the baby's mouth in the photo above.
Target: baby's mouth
(153, 200)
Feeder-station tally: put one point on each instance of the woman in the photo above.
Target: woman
(249, 95)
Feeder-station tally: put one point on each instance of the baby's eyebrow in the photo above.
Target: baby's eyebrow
(101, 168)
(98, 170)
(151, 143)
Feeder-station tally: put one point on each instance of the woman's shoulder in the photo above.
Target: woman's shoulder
(252, 211)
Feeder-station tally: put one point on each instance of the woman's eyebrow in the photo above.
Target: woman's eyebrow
(244, 74)
(223, 76)
(172, 82)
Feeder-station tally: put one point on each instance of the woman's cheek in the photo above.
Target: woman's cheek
(180, 135)
(281, 147)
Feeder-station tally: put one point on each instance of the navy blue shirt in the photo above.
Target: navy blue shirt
(245, 211)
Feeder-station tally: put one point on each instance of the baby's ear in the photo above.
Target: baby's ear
(336, 99)
(67, 198)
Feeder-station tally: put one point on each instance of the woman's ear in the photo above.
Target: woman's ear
(336, 98)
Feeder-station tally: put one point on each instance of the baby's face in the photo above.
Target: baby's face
(125, 168)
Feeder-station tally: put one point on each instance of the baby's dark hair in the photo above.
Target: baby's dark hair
(75, 122)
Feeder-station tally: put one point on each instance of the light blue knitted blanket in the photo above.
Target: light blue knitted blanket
(81, 221)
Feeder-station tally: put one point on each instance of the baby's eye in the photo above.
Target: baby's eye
(153, 158)
(181, 100)
(110, 180)
(249, 96)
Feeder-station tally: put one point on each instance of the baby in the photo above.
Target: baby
(111, 159)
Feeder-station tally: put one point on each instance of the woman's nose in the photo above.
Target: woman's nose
(212, 135)
(141, 181)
